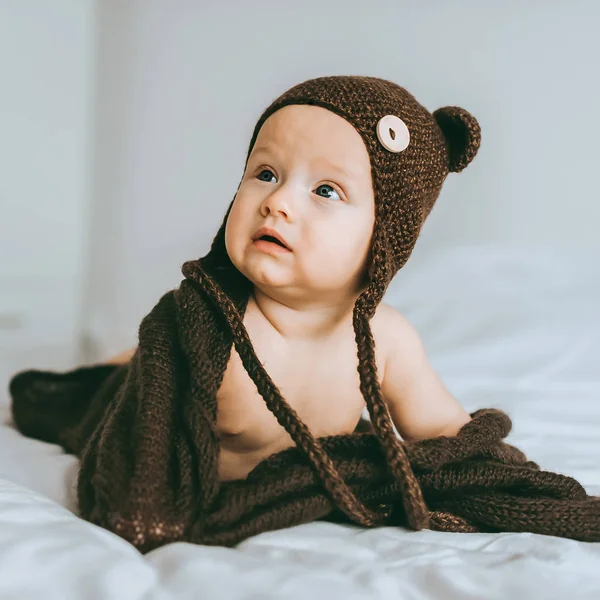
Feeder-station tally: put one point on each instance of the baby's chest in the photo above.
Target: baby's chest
(320, 384)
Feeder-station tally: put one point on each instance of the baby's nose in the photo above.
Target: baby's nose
(280, 201)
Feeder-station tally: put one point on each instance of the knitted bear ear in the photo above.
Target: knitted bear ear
(462, 133)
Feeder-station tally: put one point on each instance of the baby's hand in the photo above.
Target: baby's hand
(122, 358)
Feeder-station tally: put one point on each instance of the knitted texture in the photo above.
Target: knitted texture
(146, 431)
(142, 479)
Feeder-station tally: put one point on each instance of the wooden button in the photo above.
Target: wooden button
(393, 133)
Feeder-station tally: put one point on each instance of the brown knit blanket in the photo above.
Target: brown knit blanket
(146, 436)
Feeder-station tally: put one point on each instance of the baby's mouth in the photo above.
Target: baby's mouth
(268, 243)
(269, 238)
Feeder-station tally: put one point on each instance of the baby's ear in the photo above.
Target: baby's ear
(462, 133)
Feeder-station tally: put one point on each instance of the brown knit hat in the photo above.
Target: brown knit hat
(411, 152)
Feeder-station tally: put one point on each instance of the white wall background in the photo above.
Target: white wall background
(183, 82)
(177, 88)
(46, 84)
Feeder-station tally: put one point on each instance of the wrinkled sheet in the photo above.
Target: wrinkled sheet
(518, 330)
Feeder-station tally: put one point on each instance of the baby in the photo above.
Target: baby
(263, 359)
(239, 411)
(300, 229)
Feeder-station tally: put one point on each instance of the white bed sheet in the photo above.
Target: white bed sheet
(516, 330)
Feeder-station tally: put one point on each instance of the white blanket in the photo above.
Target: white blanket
(516, 330)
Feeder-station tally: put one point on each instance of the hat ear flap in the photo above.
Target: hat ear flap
(462, 134)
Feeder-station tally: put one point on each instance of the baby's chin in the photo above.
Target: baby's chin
(285, 281)
(264, 275)
(267, 282)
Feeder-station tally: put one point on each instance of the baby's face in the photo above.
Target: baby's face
(308, 178)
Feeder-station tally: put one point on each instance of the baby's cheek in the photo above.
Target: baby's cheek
(232, 243)
(235, 230)
(329, 260)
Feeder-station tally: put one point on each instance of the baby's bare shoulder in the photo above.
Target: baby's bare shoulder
(390, 327)
(385, 313)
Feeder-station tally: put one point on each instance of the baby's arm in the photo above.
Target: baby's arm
(419, 403)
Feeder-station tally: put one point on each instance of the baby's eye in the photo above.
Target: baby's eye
(325, 192)
(266, 175)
